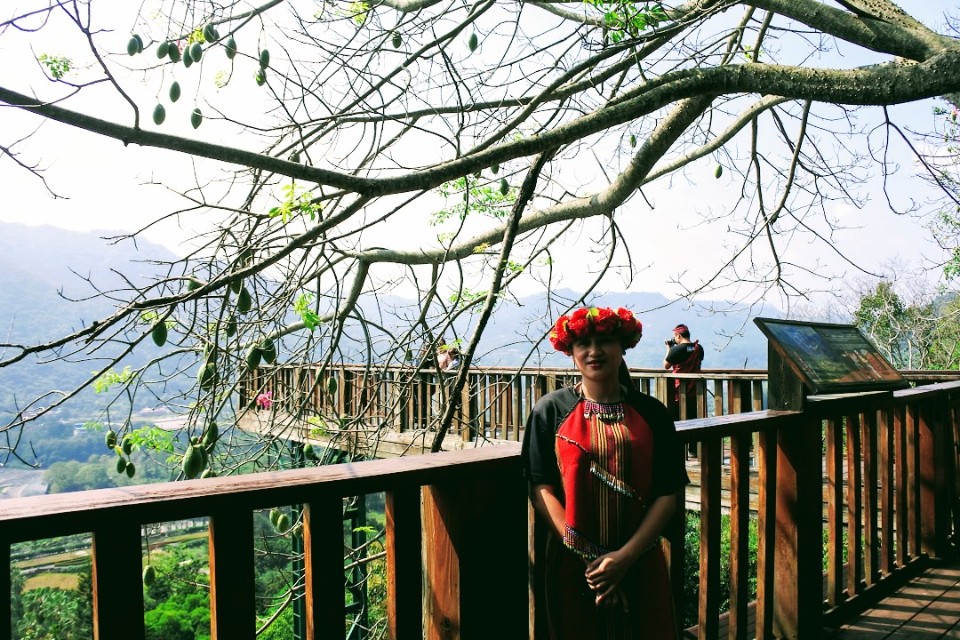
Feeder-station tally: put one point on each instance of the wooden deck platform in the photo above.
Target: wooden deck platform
(926, 607)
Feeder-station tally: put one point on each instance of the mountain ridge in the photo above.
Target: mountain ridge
(45, 293)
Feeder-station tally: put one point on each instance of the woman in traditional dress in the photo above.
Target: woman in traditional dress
(605, 467)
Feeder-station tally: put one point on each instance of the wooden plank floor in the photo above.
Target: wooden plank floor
(927, 607)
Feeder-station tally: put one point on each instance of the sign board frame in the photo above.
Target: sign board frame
(830, 358)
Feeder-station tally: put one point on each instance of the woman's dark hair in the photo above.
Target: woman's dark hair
(623, 377)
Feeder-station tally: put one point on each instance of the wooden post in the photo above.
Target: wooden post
(404, 569)
(798, 550)
(536, 550)
(834, 475)
(785, 390)
(739, 534)
(913, 479)
(854, 505)
(886, 481)
(6, 611)
(766, 528)
(117, 583)
(232, 573)
(460, 519)
(871, 541)
(675, 536)
(709, 606)
(797, 555)
(323, 567)
(934, 492)
(902, 481)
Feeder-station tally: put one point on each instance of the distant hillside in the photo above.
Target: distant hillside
(44, 294)
(37, 264)
(516, 325)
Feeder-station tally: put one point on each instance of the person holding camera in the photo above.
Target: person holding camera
(684, 356)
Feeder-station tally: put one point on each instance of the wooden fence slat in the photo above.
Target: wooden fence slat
(718, 397)
(766, 528)
(798, 549)
(117, 564)
(739, 535)
(913, 479)
(871, 565)
(902, 472)
(404, 574)
(834, 463)
(457, 573)
(232, 590)
(886, 480)
(6, 630)
(323, 567)
(709, 606)
(854, 506)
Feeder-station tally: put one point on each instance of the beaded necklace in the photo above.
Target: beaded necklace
(605, 411)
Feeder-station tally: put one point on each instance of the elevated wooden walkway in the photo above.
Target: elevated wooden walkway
(927, 607)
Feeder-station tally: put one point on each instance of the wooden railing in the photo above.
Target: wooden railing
(472, 525)
(867, 477)
(494, 402)
(873, 473)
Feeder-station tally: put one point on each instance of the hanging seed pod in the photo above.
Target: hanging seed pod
(159, 333)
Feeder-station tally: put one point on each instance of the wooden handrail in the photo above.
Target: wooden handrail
(455, 525)
(885, 461)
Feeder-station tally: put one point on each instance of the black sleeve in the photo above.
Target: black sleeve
(539, 437)
(669, 472)
(677, 354)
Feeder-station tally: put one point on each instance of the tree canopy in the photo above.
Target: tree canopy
(340, 151)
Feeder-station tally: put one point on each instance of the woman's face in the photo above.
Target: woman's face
(598, 357)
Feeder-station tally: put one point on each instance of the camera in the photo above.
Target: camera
(670, 343)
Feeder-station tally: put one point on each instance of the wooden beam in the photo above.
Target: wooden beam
(836, 592)
(117, 564)
(709, 605)
(6, 585)
(854, 506)
(457, 576)
(404, 539)
(739, 535)
(798, 552)
(766, 528)
(323, 567)
(232, 576)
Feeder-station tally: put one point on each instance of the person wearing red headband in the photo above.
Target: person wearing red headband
(605, 468)
(684, 356)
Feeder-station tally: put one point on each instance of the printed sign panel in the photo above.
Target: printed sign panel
(831, 358)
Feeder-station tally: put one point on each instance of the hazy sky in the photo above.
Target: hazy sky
(105, 187)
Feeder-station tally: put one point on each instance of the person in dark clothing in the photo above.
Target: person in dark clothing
(684, 356)
(605, 467)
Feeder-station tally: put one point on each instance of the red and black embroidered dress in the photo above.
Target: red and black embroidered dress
(606, 470)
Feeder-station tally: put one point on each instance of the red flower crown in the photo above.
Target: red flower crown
(585, 321)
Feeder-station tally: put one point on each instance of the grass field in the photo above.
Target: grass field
(65, 581)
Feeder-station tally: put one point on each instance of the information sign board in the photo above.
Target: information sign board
(831, 358)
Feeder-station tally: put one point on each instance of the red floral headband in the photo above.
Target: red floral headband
(595, 320)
